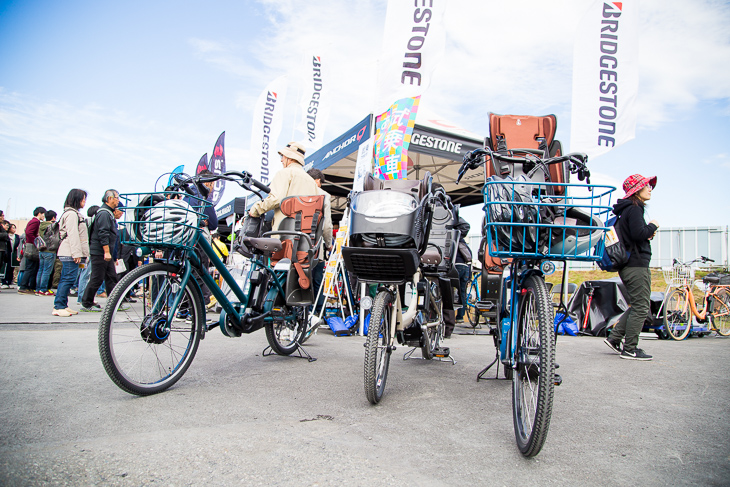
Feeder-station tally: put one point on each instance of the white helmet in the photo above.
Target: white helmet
(169, 222)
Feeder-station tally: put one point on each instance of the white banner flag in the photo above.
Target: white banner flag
(413, 44)
(314, 103)
(605, 78)
(268, 117)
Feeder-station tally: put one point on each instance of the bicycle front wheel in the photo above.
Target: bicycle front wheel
(533, 379)
(721, 313)
(677, 314)
(472, 296)
(144, 350)
(378, 347)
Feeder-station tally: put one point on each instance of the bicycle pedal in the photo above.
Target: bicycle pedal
(557, 380)
(441, 352)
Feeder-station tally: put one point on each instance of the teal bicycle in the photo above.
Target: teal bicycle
(148, 346)
(529, 223)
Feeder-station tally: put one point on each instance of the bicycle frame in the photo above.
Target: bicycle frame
(231, 311)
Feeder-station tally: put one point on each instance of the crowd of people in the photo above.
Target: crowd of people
(74, 253)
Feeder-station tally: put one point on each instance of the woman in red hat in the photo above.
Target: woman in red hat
(635, 234)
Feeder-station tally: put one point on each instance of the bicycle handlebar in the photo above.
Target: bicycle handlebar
(578, 161)
(242, 178)
(701, 258)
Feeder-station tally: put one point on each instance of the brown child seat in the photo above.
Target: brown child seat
(528, 132)
(304, 216)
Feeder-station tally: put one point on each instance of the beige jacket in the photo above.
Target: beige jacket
(74, 235)
(289, 181)
(327, 224)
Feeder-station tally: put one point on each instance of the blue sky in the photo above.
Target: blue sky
(113, 94)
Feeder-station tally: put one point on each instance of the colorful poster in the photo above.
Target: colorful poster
(605, 78)
(393, 130)
(268, 117)
(414, 38)
(217, 165)
(314, 104)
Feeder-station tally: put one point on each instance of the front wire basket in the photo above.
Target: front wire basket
(678, 275)
(162, 220)
(525, 220)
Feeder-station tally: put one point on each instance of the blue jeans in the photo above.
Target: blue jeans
(464, 276)
(44, 271)
(68, 277)
(84, 276)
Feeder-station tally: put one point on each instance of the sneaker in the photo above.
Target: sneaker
(49, 293)
(616, 347)
(635, 354)
(39, 293)
(101, 295)
(73, 292)
(5, 286)
(26, 291)
(90, 309)
(72, 311)
(61, 312)
(123, 307)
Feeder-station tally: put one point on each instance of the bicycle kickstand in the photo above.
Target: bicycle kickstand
(485, 369)
(302, 353)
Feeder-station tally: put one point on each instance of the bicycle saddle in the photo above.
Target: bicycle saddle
(266, 245)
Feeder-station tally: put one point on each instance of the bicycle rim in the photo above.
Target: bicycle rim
(377, 353)
(721, 315)
(677, 315)
(144, 351)
(533, 379)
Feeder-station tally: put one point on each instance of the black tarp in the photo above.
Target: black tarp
(609, 302)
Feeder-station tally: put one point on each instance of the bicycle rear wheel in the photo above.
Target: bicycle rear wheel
(533, 380)
(677, 321)
(286, 331)
(378, 347)
(721, 313)
(472, 296)
(144, 350)
(433, 334)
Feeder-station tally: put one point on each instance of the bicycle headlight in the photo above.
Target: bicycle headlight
(547, 267)
(366, 302)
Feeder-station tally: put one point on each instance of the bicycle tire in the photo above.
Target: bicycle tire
(141, 349)
(472, 296)
(285, 334)
(378, 347)
(721, 313)
(434, 334)
(533, 381)
(677, 314)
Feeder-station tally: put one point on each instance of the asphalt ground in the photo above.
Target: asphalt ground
(239, 418)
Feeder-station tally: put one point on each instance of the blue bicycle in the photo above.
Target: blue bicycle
(529, 223)
(147, 346)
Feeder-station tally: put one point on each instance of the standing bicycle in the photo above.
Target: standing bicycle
(679, 309)
(402, 240)
(148, 346)
(530, 222)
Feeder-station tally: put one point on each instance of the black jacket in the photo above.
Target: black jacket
(634, 232)
(103, 231)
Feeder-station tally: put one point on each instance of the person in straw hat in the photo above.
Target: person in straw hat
(635, 234)
(291, 180)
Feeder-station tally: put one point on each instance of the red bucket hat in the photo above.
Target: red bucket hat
(634, 183)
